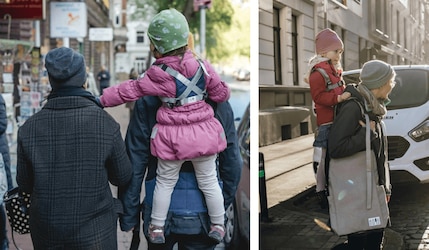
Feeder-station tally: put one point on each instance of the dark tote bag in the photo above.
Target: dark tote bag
(356, 201)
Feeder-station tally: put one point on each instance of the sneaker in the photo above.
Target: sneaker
(156, 234)
(217, 232)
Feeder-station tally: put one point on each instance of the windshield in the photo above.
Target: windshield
(411, 89)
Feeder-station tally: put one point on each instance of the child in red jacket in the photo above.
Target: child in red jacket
(327, 90)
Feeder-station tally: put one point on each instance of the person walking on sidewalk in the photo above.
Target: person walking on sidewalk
(67, 154)
(377, 81)
(103, 78)
(327, 89)
(182, 82)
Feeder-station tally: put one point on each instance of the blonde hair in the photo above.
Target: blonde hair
(191, 42)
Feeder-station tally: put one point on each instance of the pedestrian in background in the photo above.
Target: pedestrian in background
(182, 82)
(91, 83)
(5, 174)
(347, 135)
(103, 78)
(68, 152)
(326, 87)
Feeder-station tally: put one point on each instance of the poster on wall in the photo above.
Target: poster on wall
(68, 19)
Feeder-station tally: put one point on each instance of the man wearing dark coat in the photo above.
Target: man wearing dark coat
(67, 154)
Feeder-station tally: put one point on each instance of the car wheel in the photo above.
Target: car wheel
(232, 234)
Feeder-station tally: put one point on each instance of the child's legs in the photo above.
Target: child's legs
(321, 141)
(320, 175)
(205, 171)
(167, 175)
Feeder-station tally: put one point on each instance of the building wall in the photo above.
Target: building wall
(138, 53)
(266, 51)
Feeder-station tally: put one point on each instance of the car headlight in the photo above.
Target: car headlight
(421, 132)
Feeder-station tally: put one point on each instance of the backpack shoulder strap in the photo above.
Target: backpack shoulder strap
(328, 82)
(191, 86)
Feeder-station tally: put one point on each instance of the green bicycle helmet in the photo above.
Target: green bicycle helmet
(168, 31)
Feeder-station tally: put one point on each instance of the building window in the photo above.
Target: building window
(295, 50)
(381, 23)
(140, 64)
(277, 51)
(140, 36)
(379, 19)
(342, 3)
(117, 9)
(406, 32)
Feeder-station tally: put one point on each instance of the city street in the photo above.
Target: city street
(293, 205)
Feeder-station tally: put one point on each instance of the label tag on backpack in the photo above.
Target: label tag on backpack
(374, 221)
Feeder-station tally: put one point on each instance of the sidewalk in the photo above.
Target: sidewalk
(290, 182)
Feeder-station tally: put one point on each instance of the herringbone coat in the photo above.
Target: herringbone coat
(67, 154)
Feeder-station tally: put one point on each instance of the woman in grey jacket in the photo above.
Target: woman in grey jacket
(67, 154)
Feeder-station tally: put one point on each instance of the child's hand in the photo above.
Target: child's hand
(344, 96)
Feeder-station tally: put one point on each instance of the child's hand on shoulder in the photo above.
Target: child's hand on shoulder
(344, 96)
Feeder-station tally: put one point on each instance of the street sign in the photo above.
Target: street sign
(68, 19)
(23, 9)
(100, 34)
(202, 4)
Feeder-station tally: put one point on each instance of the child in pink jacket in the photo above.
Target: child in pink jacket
(186, 128)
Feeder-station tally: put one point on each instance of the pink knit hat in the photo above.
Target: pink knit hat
(328, 40)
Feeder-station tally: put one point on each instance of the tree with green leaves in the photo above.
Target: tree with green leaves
(220, 17)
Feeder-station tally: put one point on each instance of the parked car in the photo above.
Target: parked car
(238, 214)
(242, 74)
(407, 122)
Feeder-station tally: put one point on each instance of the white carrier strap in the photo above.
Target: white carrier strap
(191, 85)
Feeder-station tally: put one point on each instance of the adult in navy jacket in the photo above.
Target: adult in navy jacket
(187, 221)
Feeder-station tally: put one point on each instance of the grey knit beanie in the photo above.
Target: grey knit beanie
(66, 68)
(376, 73)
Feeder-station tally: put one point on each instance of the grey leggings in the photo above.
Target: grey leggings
(166, 179)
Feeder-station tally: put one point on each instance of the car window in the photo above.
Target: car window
(411, 89)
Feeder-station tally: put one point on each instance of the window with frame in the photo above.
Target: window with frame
(140, 36)
(342, 2)
(277, 47)
(295, 50)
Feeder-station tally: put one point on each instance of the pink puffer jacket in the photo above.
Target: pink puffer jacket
(184, 132)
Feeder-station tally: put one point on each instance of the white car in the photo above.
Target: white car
(407, 122)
